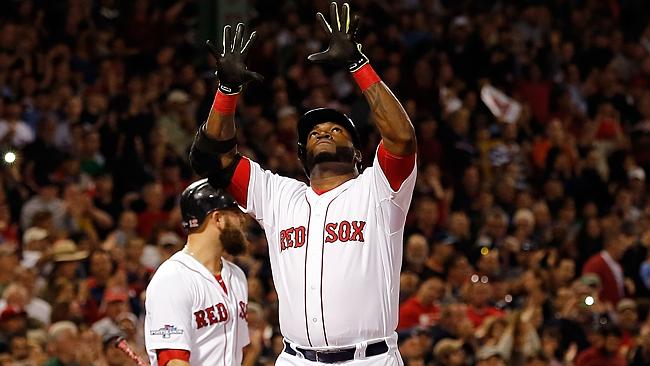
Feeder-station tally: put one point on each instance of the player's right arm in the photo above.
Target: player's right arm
(168, 320)
(233, 74)
(214, 149)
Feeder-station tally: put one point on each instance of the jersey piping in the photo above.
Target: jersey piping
(305, 274)
(322, 266)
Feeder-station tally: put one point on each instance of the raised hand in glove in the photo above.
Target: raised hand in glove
(231, 69)
(344, 49)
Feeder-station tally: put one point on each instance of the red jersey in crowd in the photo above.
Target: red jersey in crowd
(412, 313)
(477, 316)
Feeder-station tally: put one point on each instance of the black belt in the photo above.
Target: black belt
(337, 355)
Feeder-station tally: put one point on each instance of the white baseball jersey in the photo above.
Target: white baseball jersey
(335, 257)
(187, 309)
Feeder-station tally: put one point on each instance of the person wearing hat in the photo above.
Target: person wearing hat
(13, 321)
(637, 185)
(35, 243)
(627, 317)
(65, 258)
(196, 301)
(116, 302)
(129, 325)
(449, 352)
(489, 356)
(178, 121)
(113, 355)
(168, 244)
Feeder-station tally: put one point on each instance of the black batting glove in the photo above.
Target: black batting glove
(231, 69)
(344, 50)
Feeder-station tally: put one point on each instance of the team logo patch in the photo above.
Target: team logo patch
(166, 331)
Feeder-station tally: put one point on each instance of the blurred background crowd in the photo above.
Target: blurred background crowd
(526, 244)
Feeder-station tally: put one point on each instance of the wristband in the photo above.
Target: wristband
(225, 103)
(365, 77)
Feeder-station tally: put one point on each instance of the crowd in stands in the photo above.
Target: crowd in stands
(527, 243)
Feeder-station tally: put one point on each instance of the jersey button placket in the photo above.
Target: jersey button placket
(313, 273)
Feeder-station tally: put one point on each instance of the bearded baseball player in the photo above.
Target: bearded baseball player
(335, 245)
(196, 301)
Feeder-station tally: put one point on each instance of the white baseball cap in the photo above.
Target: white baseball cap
(34, 234)
(636, 173)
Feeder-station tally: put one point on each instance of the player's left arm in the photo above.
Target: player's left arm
(252, 354)
(394, 125)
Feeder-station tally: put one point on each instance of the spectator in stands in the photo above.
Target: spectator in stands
(605, 265)
(116, 303)
(8, 265)
(628, 321)
(449, 352)
(422, 309)
(605, 349)
(63, 344)
(478, 294)
(441, 252)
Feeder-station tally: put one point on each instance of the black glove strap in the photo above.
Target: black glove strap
(209, 145)
(360, 60)
(230, 89)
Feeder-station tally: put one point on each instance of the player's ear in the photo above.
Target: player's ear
(216, 218)
(357, 155)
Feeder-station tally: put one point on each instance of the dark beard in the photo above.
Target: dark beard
(343, 154)
(233, 239)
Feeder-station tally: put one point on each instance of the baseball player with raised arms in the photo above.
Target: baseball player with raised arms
(335, 245)
(196, 301)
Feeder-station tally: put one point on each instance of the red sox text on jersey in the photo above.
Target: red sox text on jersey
(216, 314)
(343, 231)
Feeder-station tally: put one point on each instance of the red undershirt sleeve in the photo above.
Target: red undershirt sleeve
(238, 186)
(166, 355)
(396, 168)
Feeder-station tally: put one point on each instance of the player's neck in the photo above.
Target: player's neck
(324, 176)
(204, 250)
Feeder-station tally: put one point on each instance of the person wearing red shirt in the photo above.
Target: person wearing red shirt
(537, 93)
(478, 297)
(606, 266)
(422, 308)
(628, 320)
(153, 215)
(604, 351)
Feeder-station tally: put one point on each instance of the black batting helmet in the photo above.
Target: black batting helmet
(199, 199)
(321, 115)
